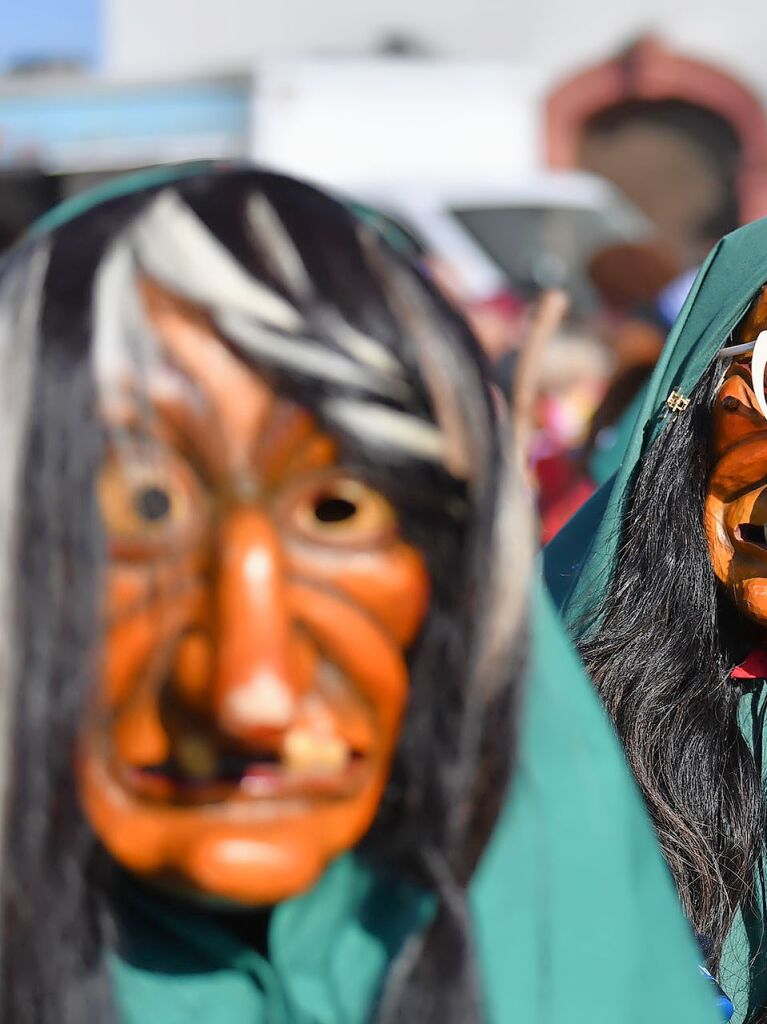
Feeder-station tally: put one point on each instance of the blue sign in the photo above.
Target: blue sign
(81, 125)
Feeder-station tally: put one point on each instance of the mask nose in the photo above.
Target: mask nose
(255, 684)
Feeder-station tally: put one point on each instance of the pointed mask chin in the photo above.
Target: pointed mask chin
(231, 853)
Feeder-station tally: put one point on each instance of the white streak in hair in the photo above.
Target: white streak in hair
(758, 365)
(465, 449)
(360, 346)
(122, 339)
(304, 356)
(20, 292)
(269, 235)
(503, 603)
(280, 254)
(176, 249)
(381, 425)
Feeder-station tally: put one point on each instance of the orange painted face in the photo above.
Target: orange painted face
(260, 604)
(736, 503)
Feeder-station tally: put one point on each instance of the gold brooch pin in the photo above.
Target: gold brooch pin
(676, 402)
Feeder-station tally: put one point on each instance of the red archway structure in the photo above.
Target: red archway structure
(651, 72)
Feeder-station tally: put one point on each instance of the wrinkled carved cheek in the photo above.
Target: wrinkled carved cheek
(720, 547)
(146, 619)
(141, 646)
(370, 659)
(391, 586)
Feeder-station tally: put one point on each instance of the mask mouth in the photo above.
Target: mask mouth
(754, 534)
(327, 752)
(205, 770)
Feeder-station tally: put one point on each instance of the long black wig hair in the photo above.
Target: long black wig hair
(660, 648)
(322, 308)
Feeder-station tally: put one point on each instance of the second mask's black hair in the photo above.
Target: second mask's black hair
(660, 649)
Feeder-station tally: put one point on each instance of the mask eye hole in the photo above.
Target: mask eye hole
(329, 508)
(149, 500)
(153, 503)
(342, 512)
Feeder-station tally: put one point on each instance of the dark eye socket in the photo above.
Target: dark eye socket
(344, 512)
(152, 503)
(330, 509)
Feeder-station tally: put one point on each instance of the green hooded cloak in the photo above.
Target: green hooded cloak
(581, 558)
(575, 916)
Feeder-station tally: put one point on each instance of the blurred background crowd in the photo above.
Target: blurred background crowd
(507, 147)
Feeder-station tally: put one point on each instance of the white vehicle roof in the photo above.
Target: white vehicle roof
(427, 206)
(572, 189)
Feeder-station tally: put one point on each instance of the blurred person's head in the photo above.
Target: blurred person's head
(576, 368)
(631, 274)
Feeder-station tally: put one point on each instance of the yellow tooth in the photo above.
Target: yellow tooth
(196, 756)
(308, 751)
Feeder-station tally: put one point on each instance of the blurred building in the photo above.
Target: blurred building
(675, 119)
(667, 103)
(151, 37)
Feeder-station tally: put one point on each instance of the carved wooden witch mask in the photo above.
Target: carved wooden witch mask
(736, 503)
(260, 603)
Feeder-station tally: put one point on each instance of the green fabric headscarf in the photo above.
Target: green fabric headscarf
(580, 560)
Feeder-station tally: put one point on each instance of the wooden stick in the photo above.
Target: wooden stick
(550, 311)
